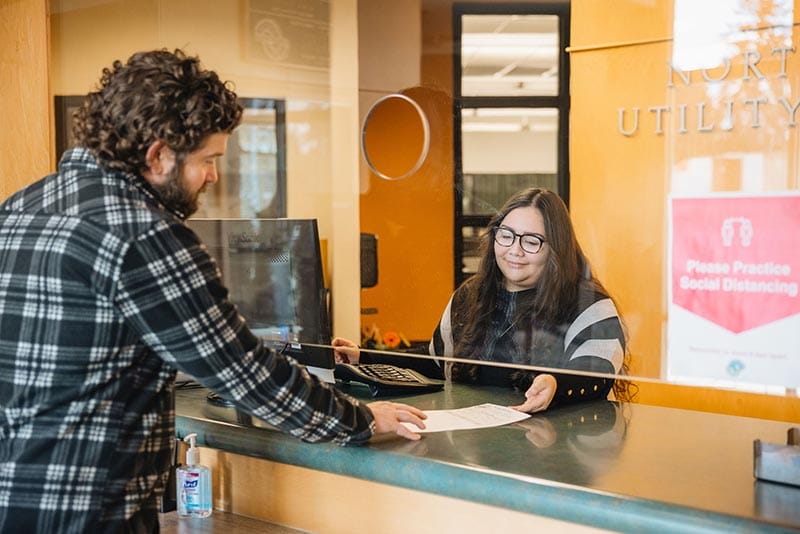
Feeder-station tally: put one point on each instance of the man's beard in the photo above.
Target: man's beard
(176, 196)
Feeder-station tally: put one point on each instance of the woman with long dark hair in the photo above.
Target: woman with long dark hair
(533, 302)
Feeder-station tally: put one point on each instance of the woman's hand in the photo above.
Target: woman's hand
(539, 395)
(345, 351)
(389, 415)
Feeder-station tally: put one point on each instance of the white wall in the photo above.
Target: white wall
(512, 153)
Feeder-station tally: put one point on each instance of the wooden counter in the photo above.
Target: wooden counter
(604, 465)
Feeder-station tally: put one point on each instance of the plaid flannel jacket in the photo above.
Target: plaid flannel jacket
(104, 293)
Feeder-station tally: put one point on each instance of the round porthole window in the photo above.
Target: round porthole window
(395, 137)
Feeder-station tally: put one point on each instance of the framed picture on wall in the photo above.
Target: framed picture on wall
(293, 34)
(65, 107)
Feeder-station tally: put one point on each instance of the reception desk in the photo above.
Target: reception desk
(602, 465)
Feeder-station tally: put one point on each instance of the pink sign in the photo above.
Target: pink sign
(736, 260)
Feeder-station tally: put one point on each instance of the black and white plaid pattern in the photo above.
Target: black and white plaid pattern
(103, 295)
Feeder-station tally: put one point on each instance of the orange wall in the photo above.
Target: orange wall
(24, 100)
(617, 187)
(413, 219)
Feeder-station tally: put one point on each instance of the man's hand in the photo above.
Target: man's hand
(389, 415)
(539, 395)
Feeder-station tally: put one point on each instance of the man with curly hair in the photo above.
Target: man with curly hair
(105, 294)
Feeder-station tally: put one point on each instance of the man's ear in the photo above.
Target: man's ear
(159, 160)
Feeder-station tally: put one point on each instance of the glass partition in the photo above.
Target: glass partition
(674, 167)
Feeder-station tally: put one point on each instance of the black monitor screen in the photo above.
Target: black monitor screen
(273, 270)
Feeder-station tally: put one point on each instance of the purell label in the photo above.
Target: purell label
(191, 495)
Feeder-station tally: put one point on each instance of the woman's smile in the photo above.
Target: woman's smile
(521, 269)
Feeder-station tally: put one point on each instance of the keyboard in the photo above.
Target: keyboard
(383, 379)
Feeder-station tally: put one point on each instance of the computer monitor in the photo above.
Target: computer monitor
(273, 270)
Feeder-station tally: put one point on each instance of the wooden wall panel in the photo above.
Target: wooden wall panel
(25, 105)
(316, 501)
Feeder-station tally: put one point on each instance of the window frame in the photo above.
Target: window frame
(560, 102)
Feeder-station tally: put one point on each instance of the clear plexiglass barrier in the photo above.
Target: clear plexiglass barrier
(673, 145)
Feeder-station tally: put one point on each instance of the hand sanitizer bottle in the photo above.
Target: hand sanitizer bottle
(193, 484)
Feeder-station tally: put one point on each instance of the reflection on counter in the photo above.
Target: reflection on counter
(587, 437)
(574, 446)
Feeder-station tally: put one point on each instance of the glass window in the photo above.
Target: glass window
(509, 55)
(505, 150)
(253, 168)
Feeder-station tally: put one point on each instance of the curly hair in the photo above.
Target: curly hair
(156, 95)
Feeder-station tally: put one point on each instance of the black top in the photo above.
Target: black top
(592, 339)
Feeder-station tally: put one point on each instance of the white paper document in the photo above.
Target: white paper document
(479, 416)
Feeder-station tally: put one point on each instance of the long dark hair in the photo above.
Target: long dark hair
(558, 288)
(155, 95)
(567, 277)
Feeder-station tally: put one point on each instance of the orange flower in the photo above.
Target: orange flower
(391, 340)
(371, 338)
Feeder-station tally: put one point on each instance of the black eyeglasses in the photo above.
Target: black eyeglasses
(505, 237)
